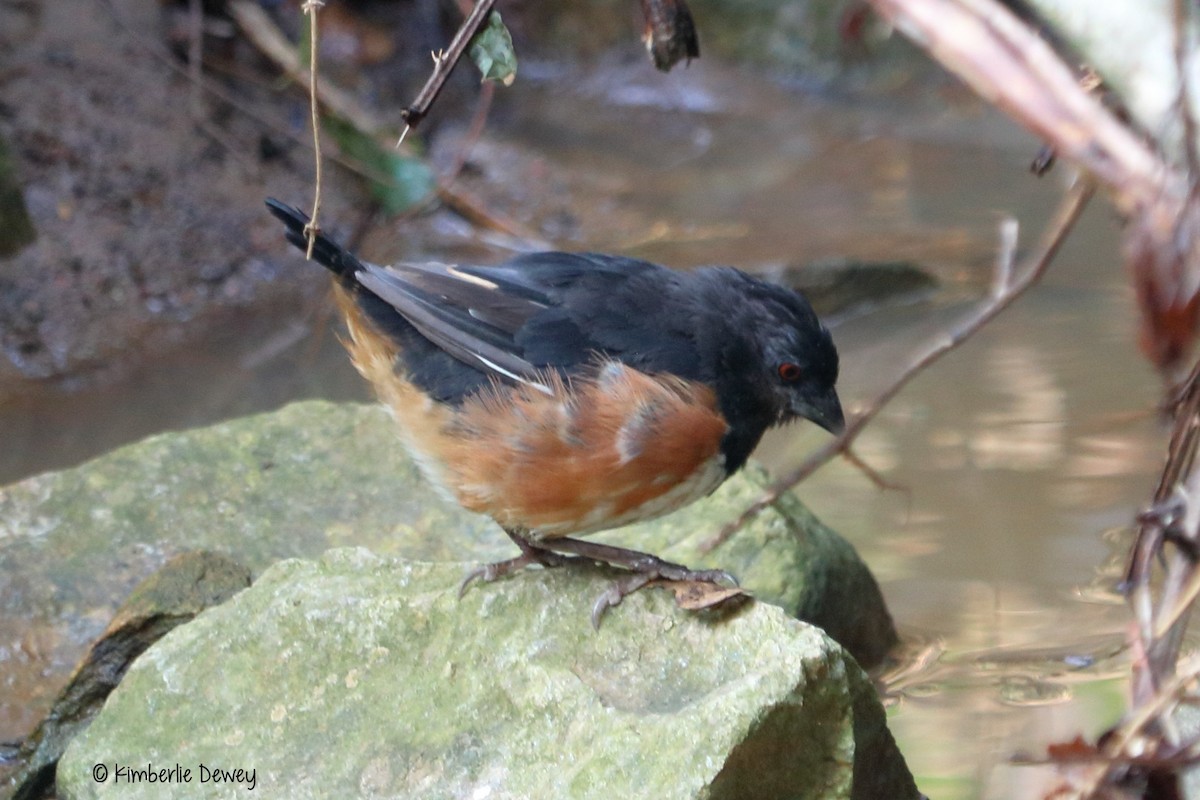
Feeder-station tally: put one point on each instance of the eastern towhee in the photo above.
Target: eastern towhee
(567, 393)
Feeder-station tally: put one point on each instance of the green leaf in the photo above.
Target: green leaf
(397, 181)
(492, 51)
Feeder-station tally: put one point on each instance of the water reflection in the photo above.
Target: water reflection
(1026, 431)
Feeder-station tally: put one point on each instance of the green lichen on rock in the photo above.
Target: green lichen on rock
(16, 228)
(360, 676)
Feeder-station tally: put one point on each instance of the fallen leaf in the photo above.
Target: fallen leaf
(703, 595)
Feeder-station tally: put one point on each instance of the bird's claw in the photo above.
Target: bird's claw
(502, 569)
(719, 587)
(616, 592)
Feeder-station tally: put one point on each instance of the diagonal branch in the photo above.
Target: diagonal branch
(1006, 290)
(313, 227)
(444, 63)
(265, 35)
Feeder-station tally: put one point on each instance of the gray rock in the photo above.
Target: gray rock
(743, 717)
(360, 676)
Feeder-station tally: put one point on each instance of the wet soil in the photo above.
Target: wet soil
(145, 222)
(145, 192)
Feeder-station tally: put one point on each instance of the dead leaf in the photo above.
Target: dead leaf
(703, 595)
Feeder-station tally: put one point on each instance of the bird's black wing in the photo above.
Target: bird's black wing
(622, 308)
(465, 316)
(536, 312)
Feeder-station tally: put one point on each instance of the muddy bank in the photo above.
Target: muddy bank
(146, 220)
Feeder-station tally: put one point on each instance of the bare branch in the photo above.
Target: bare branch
(1068, 212)
(444, 63)
(313, 227)
(1006, 255)
(484, 105)
(195, 58)
(873, 474)
(1120, 748)
(1175, 514)
(1187, 111)
(1010, 66)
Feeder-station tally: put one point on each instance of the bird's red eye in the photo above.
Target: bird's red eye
(789, 372)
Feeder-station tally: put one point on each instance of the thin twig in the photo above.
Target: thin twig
(1161, 644)
(470, 208)
(873, 474)
(1152, 713)
(477, 213)
(164, 57)
(1180, 606)
(444, 63)
(195, 54)
(1006, 255)
(265, 35)
(195, 73)
(1175, 507)
(254, 21)
(1180, 453)
(1060, 225)
(312, 228)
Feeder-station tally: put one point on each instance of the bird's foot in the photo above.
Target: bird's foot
(531, 554)
(695, 590)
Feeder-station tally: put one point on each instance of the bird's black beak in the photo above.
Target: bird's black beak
(823, 408)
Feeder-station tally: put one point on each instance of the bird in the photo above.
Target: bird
(563, 394)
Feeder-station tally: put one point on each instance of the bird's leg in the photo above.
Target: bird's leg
(639, 562)
(531, 553)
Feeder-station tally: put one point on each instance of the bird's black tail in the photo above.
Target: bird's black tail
(326, 252)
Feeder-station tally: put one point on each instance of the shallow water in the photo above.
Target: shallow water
(1021, 456)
